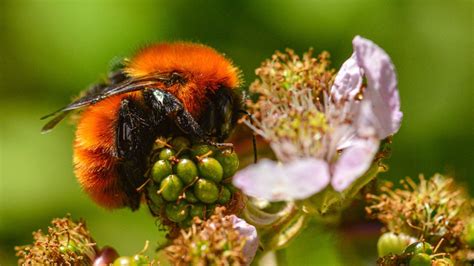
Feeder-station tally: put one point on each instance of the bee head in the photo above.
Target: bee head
(221, 113)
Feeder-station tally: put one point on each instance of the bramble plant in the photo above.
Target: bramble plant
(432, 218)
(330, 132)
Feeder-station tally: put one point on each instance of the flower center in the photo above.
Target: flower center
(307, 123)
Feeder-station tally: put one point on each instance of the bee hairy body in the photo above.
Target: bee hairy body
(165, 89)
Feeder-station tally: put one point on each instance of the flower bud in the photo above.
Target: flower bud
(124, 261)
(140, 260)
(391, 243)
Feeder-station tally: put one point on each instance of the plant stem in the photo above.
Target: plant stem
(274, 258)
(281, 257)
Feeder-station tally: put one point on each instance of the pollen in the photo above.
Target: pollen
(307, 122)
(290, 109)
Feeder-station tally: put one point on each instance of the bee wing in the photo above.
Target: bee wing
(115, 89)
(53, 122)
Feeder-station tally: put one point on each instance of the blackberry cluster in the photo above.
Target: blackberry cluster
(189, 180)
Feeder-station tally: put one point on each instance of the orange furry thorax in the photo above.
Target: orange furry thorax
(203, 68)
(197, 62)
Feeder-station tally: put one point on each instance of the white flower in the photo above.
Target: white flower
(322, 135)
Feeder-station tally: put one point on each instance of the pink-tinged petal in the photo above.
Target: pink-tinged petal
(365, 121)
(271, 181)
(382, 91)
(353, 163)
(348, 80)
(251, 238)
(307, 176)
(261, 180)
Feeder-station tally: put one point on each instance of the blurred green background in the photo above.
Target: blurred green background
(50, 50)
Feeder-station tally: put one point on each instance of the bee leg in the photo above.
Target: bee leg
(134, 141)
(224, 145)
(165, 104)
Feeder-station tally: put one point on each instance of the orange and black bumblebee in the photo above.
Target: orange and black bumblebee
(165, 89)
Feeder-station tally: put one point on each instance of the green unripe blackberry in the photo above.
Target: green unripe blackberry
(224, 196)
(160, 170)
(166, 154)
(211, 169)
(229, 162)
(231, 188)
(186, 170)
(198, 210)
(190, 197)
(419, 247)
(152, 193)
(141, 260)
(391, 243)
(176, 212)
(185, 156)
(191, 174)
(171, 187)
(420, 259)
(180, 143)
(124, 261)
(200, 149)
(186, 223)
(210, 209)
(206, 191)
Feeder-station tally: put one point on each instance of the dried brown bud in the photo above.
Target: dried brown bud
(220, 240)
(66, 243)
(432, 210)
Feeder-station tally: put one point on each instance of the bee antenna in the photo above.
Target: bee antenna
(254, 137)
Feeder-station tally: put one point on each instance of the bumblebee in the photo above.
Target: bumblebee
(165, 89)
